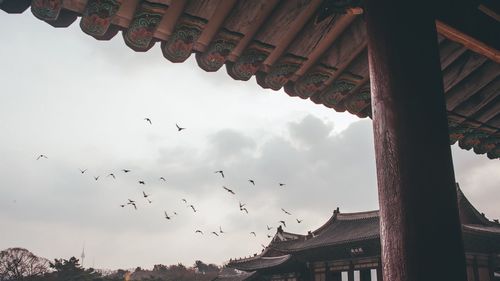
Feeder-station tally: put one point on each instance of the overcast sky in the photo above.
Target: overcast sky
(82, 103)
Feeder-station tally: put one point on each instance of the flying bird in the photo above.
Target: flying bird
(184, 200)
(299, 221)
(96, 178)
(148, 120)
(142, 182)
(149, 201)
(220, 172)
(269, 227)
(282, 184)
(242, 205)
(123, 205)
(112, 175)
(166, 216)
(163, 179)
(199, 231)
(283, 222)
(82, 171)
(253, 233)
(133, 204)
(285, 211)
(252, 182)
(175, 213)
(269, 236)
(220, 230)
(192, 207)
(215, 233)
(244, 209)
(179, 128)
(125, 171)
(130, 201)
(42, 156)
(145, 195)
(228, 190)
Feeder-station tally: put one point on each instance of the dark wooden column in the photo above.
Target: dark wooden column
(350, 273)
(336, 276)
(420, 229)
(379, 273)
(365, 275)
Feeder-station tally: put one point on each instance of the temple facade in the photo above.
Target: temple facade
(347, 248)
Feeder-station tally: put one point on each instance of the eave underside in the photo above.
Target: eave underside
(295, 45)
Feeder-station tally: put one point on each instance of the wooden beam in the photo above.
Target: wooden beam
(468, 41)
(213, 25)
(416, 184)
(479, 99)
(167, 24)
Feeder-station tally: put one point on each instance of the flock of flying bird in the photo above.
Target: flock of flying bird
(133, 203)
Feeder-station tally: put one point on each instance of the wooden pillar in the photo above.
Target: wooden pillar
(365, 275)
(336, 276)
(379, 273)
(350, 273)
(420, 228)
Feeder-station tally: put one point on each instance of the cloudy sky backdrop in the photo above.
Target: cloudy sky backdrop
(83, 102)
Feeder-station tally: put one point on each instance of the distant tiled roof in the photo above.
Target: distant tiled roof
(259, 262)
(342, 228)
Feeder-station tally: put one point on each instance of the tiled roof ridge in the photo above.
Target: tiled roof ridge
(256, 257)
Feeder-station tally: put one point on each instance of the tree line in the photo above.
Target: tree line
(19, 264)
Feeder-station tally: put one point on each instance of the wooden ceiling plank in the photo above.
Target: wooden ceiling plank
(75, 5)
(346, 48)
(461, 68)
(310, 41)
(213, 25)
(252, 23)
(291, 30)
(234, 30)
(468, 41)
(467, 87)
(202, 8)
(277, 32)
(488, 112)
(480, 99)
(168, 21)
(449, 51)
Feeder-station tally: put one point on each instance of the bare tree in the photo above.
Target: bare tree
(19, 263)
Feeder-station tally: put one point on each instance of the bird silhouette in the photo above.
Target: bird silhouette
(220, 230)
(299, 221)
(199, 231)
(148, 120)
(163, 179)
(228, 190)
(192, 207)
(149, 201)
(215, 233)
(269, 236)
(82, 171)
(130, 201)
(252, 182)
(112, 175)
(253, 233)
(122, 205)
(184, 200)
(285, 211)
(133, 204)
(175, 213)
(220, 172)
(96, 178)
(179, 128)
(125, 171)
(42, 156)
(283, 222)
(269, 227)
(145, 195)
(282, 184)
(167, 216)
(242, 205)
(142, 182)
(244, 209)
